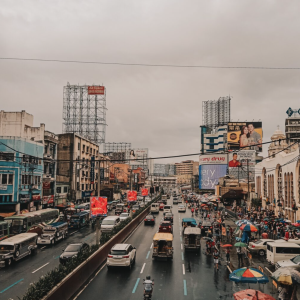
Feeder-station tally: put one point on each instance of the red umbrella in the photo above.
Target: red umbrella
(227, 245)
(248, 227)
(251, 295)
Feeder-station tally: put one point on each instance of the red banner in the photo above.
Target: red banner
(132, 195)
(96, 90)
(144, 192)
(98, 206)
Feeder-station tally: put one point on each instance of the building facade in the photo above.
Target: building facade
(169, 182)
(292, 129)
(213, 140)
(188, 167)
(21, 172)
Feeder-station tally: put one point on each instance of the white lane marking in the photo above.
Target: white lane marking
(181, 246)
(73, 232)
(183, 269)
(143, 268)
(180, 232)
(268, 270)
(151, 246)
(41, 267)
(43, 247)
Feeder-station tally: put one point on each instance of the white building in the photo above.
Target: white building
(213, 140)
(277, 179)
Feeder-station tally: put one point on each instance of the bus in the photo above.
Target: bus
(4, 230)
(32, 221)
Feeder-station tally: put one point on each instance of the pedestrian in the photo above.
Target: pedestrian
(240, 255)
(227, 251)
(216, 258)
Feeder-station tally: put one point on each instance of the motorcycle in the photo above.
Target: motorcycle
(148, 288)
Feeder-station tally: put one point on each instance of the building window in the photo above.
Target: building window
(58, 190)
(78, 146)
(211, 147)
(87, 186)
(82, 187)
(65, 189)
(83, 148)
(10, 179)
(87, 149)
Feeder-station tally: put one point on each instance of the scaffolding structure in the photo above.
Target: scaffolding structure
(216, 113)
(116, 147)
(84, 112)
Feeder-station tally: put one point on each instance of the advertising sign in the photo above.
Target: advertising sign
(137, 156)
(209, 175)
(244, 136)
(92, 172)
(46, 185)
(238, 164)
(213, 159)
(132, 195)
(144, 192)
(96, 90)
(98, 206)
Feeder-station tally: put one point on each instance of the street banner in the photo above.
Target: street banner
(132, 195)
(98, 206)
(144, 192)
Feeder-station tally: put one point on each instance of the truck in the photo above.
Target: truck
(53, 233)
(164, 199)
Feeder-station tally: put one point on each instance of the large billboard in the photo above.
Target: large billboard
(98, 206)
(96, 90)
(239, 163)
(209, 175)
(137, 157)
(213, 159)
(244, 136)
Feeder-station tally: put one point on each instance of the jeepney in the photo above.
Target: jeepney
(162, 245)
(53, 233)
(192, 237)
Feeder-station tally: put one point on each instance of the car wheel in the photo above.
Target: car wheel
(261, 252)
(129, 267)
(17, 253)
(29, 251)
(134, 259)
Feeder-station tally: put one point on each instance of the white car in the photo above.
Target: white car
(259, 247)
(123, 216)
(290, 263)
(167, 209)
(181, 208)
(121, 255)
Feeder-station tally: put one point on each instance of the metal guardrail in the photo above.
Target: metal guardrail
(72, 283)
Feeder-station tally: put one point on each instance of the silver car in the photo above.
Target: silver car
(259, 247)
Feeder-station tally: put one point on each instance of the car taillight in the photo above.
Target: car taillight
(145, 220)
(253, 246)
(210, 227)
(110, 256)
(171, 217)
(124, 210)
(126, 256)
(201, 226)
(169, 226)
(152, 219)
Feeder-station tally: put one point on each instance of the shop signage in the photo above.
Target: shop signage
(24, 198)
(46, 185)
(86, 194)
(3, 187)
(92, 173)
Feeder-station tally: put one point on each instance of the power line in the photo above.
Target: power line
(149, 65)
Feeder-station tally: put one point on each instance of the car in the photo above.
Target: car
(288, 263)
(113, 204)
(150, 219)
(259, 247)
(161, 206)
(168, 217)
(72, 251)
(141, 204)
(175, 201)
(165, 226)
(181, 208)
(206, 226)
(147, 200)
(120, 208)
(167, 209)
(121, 255)
(124, 216)
(135, 208)
(109, 223)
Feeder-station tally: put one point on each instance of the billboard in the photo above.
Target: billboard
(209, 175)
(244, 135)
(144, 192)
(137, 157)
(98, 206)
(213, 159)
(96, 90)
(132, 195)
(238, 164)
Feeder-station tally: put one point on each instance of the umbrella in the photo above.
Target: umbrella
(240, 244)
(202, 205)
(227, 245)
(266, 219)
(287, 275)
(251, 295)
(248, 227)
(248, 275)
(296, 224)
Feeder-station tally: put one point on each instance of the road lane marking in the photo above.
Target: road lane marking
(182, 256)
(136, 285)
(148, 255)
(73, 232)
(180, 239)
(11, 286)
(184, 288)
(43, 247)
(143, 267)
(40, 267)
(181, 246)
(183, 269)
(151, 246)
(180, 232)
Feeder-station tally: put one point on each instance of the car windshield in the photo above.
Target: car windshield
(118, 252)
(167, 207)
(17, 223)
(296, 259)
(6, 248)
(168, 215)
(149, 217)
(73, 248)
(205, 223)
(258, 242)
(124, 215)
(108, 222)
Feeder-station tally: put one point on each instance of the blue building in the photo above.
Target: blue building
(21, 174)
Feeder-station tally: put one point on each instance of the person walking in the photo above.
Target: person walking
(216, 258)
(240, 256)
(227, 251)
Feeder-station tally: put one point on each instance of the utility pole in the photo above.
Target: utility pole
(98, 232)
(131, 179)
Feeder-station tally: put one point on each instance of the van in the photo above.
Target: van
(281, 251)
(109, 223)
(154, 208)
(80, 219)
(167, 209)
(297, 242)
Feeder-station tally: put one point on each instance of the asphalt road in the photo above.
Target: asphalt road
(15, 280)
(190, 275)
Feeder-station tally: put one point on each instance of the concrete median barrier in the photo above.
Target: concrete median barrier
(72, 283)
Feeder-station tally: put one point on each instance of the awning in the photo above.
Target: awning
(233, 194)
(4, 215)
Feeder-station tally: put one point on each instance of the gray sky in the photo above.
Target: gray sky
(154, 107)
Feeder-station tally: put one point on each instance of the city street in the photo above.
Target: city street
(15, 280)
(189, 275)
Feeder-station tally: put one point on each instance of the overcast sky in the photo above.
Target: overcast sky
(153, 107)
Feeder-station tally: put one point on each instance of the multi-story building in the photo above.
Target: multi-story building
(20, 124)
(163, 169)
(213, 139)
(292, 129)
(79, 161)
(188, 167)
(120, 174)
(169, 182)
(21, 173)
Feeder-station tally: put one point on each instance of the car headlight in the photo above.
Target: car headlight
(74, 256)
